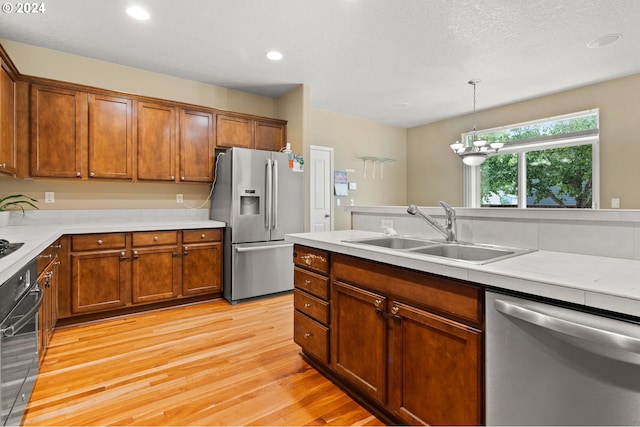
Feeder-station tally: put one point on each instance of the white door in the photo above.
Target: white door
(321, 172)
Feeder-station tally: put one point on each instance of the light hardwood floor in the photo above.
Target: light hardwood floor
(205, 364)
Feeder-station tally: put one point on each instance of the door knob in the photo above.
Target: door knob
(326, 215)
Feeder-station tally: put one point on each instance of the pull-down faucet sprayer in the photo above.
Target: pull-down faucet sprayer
(449, 232)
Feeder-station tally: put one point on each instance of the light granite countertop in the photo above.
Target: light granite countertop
(38, 235)
(594, 281)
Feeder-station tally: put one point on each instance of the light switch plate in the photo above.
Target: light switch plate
(353, 186)
(49, 197)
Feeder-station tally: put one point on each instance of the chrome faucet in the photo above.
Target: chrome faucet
(449, 232)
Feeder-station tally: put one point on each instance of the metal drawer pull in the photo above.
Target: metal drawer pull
(308, 335)
(99, 241)
(307, 305)
(565, 327)
(307, 281)
(155, 238)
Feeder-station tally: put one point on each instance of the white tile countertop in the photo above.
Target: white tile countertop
(39, 232)
(594, 281)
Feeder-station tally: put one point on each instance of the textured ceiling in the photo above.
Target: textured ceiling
(400, 62)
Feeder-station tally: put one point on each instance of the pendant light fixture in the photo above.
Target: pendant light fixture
(475, 153)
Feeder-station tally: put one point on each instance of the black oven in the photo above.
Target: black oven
(20, 298)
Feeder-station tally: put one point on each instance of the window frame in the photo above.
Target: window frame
(471, 174)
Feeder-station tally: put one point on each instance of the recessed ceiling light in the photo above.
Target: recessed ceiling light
(139, 13)
(274, 55)
(604, 41)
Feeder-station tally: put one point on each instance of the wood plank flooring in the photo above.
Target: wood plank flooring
(209, 363)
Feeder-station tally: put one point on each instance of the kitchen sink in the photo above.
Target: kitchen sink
(467, 252)
(394, 242)
(474, 253)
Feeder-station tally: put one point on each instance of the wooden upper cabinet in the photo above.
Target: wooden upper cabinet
(156, 156)
(197, 144)
(234, 131)
(270, 135)
(57, 121)
(7, 122)
(110, 137)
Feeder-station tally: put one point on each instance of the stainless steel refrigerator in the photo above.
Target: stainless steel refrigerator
(261, 199)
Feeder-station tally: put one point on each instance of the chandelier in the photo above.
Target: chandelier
(475, 152)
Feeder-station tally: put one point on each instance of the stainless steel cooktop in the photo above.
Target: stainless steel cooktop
(7, 247)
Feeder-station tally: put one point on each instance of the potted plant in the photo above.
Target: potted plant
(14, 202)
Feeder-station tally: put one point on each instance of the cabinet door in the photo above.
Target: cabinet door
(358, 340)
(197, 144)
(156, 152)
(110, 137)
(7, 123)
(99, 280)
(233, 131)
(435, 369)
(269, 135)
(201, 268)
(155, 274)
(57, 123)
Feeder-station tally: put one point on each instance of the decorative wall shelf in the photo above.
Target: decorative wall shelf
(375, 161)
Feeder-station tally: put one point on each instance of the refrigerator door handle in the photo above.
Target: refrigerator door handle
(274, 194)
(262, 248)
(269, 208)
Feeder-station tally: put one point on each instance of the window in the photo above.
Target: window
(550, 163)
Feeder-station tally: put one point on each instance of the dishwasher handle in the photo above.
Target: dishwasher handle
(566, 327)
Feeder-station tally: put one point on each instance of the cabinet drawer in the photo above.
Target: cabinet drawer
(312, 259)
(155, 238)
(311, 282)
(311, 336)
(89, 242)
(204, 235)
(311, 306)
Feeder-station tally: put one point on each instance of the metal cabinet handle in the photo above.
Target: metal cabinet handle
(99, 241)
(307, 281)
(78, 174)
(155, 238)
(307, 305)
(308, 335)
(135, 254)
(202, 236)
(566, 327)
(92, 174)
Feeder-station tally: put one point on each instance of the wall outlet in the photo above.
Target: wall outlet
(615, 203)
(49, 197)
(386, 223)
(179, 198)
(353, 186)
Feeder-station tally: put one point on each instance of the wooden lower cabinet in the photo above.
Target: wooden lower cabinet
(111, 271)
(100, 280)
(47, 280)
(201, 261)
(154, 266)
(406, 343)
(359, 339)
(434, 368)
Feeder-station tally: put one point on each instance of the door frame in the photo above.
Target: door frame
(329, 186)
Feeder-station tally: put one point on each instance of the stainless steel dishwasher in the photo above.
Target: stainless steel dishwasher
(550, 364)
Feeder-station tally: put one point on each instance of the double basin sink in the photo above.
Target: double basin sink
(474, 253)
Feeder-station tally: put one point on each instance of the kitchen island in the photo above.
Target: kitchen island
(406, 331)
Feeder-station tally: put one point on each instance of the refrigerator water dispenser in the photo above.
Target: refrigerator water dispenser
(249, 202)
